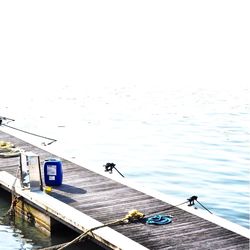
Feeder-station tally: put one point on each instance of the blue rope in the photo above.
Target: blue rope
(159, 219)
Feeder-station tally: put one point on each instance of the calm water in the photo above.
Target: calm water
(18, 235)
(179, 141)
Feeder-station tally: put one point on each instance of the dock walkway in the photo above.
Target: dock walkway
(105, 199)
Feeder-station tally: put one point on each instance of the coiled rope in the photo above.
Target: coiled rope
(159, 219)
(8, 150)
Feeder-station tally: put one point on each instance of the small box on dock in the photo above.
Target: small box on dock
(53, 173)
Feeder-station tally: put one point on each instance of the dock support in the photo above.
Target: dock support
(32, 215)
(35, 205)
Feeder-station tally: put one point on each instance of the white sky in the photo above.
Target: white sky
(49, 43)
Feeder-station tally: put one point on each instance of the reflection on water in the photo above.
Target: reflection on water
(17, 235)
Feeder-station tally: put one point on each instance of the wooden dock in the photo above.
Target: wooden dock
(95, 199)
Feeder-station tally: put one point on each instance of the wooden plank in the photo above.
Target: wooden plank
(68, 215)
(105, 199)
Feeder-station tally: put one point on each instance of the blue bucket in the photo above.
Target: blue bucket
(53, 174)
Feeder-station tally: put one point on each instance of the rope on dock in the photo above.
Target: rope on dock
(2, 118)
(132, 216)
(195, 198)
(190, 200)
(15, 198)
(159, 219)
(172, 206)
(109, 168)
(8, 150)
(26, 132)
